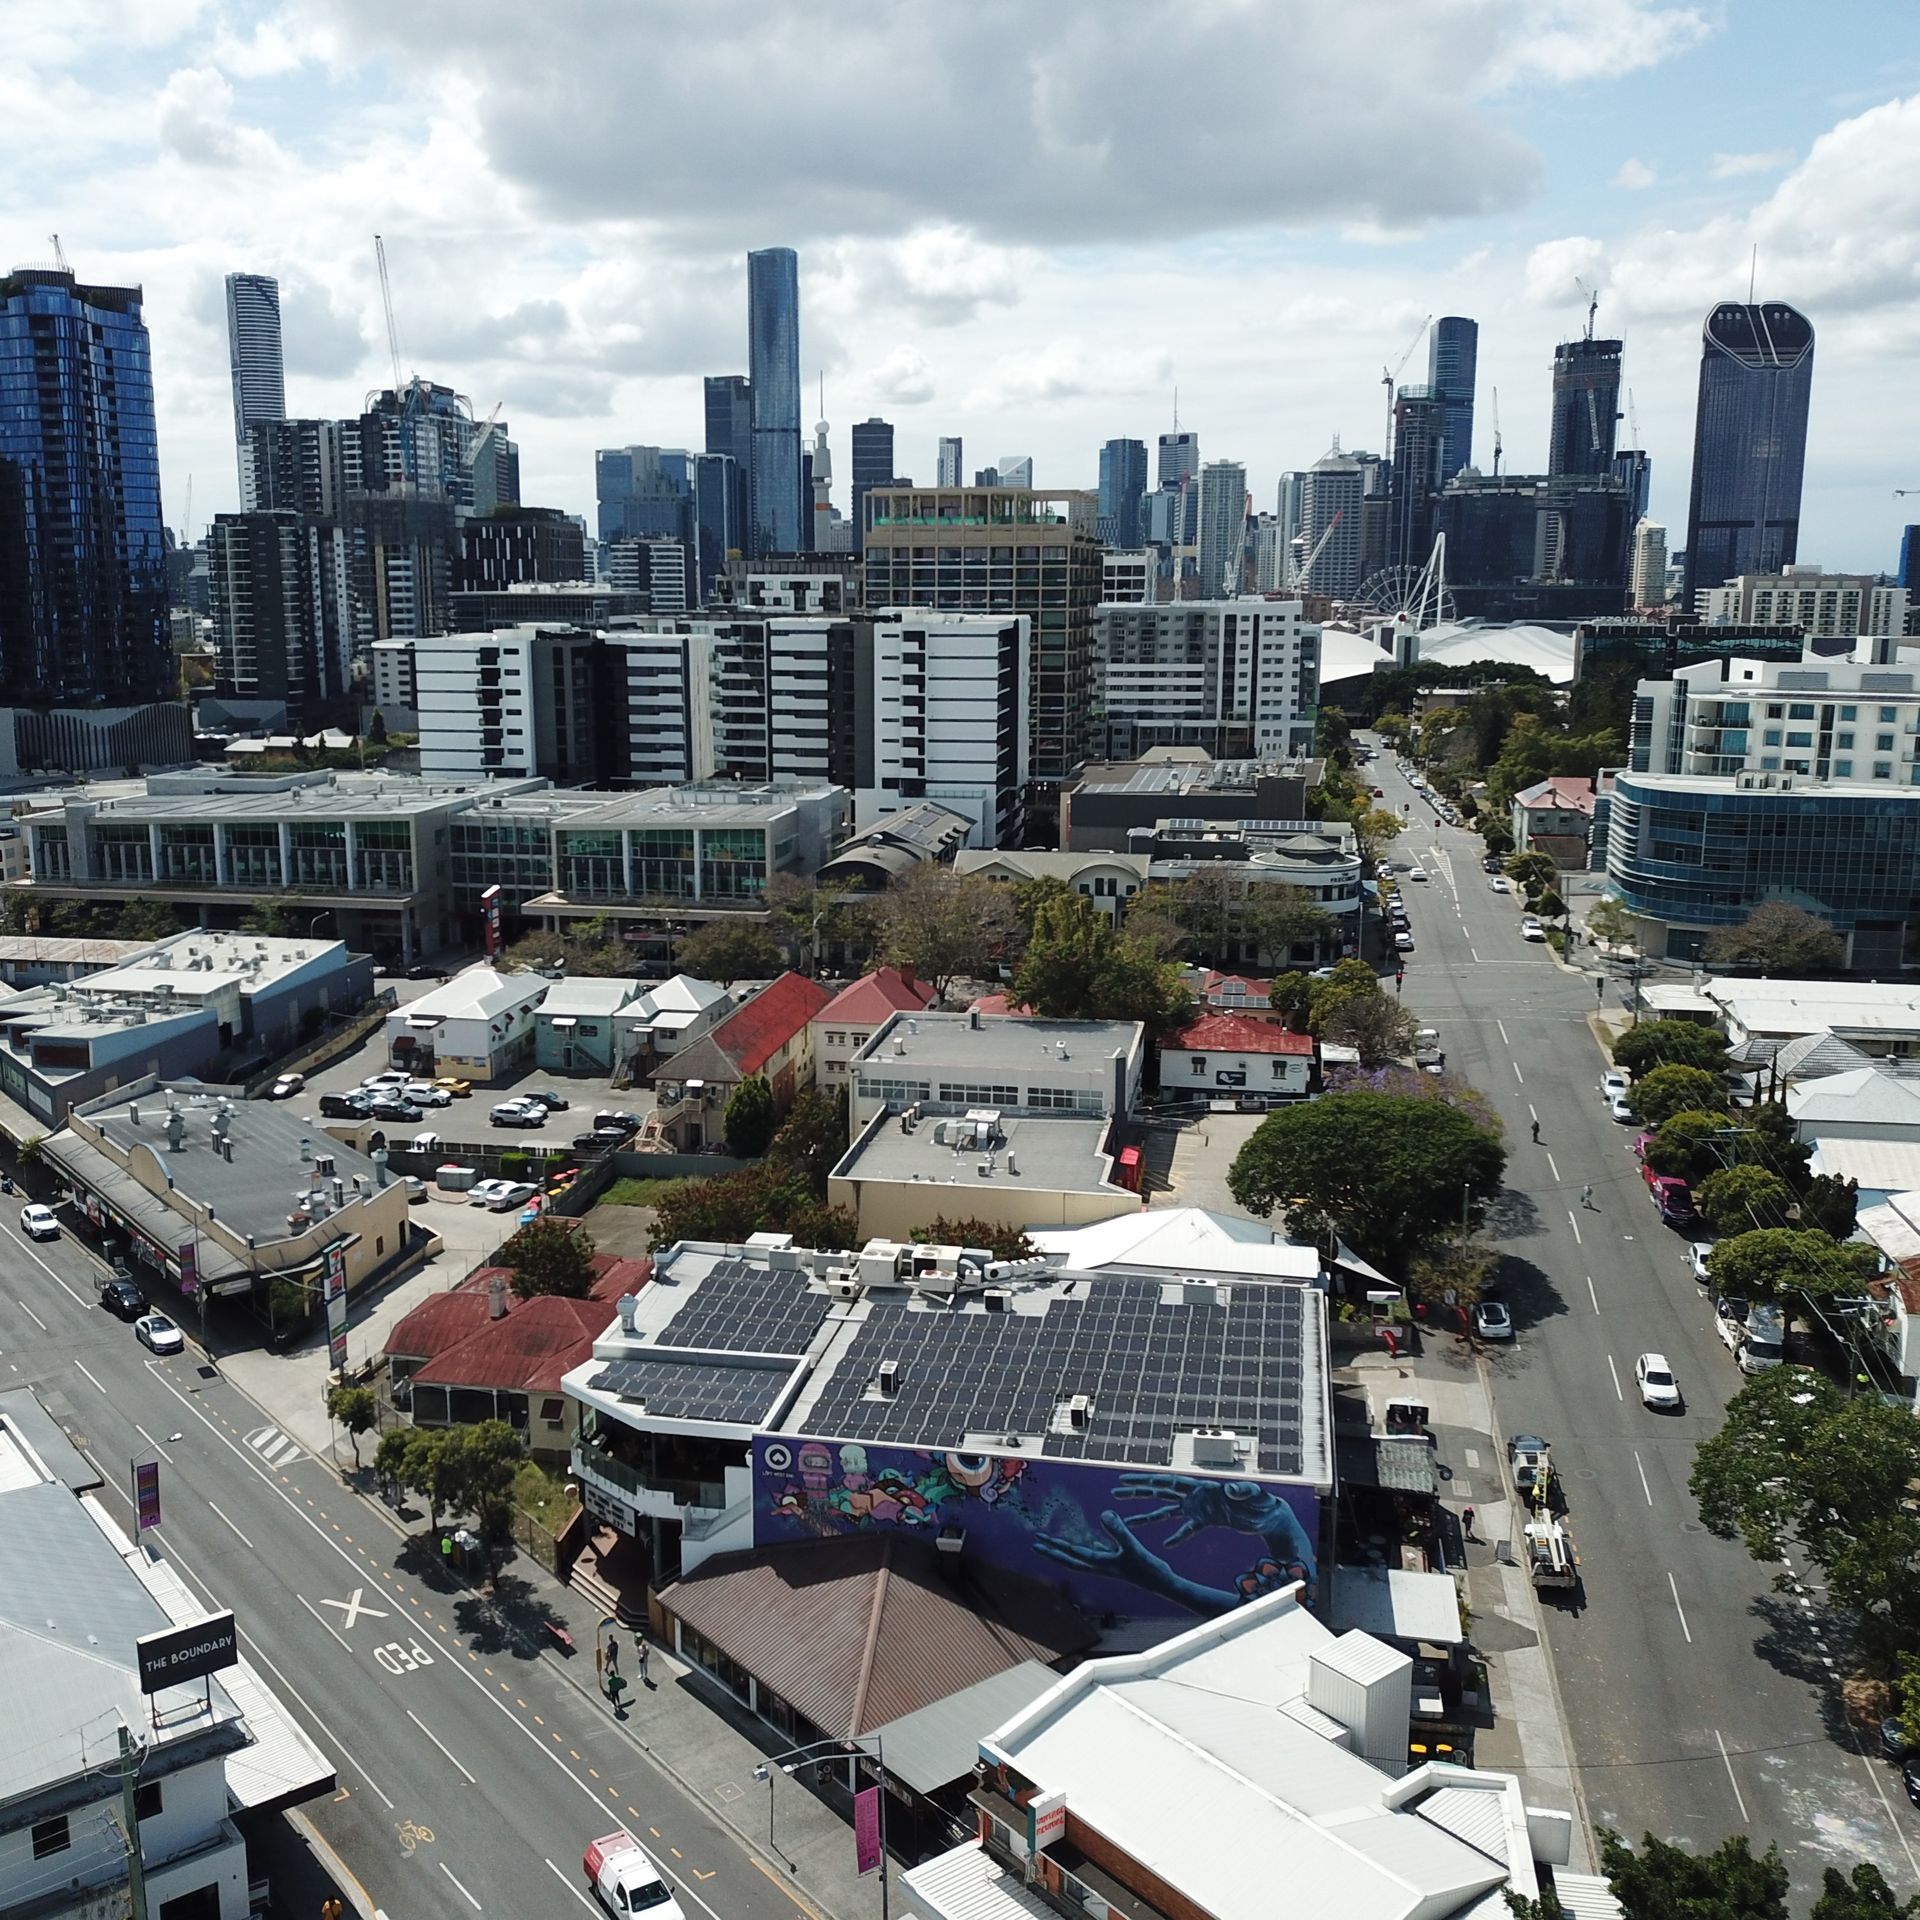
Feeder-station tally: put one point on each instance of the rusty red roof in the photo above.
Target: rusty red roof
(885, 990)
(751, 1035)
(526, 1350)
(444, 1320)
(1236, 1033)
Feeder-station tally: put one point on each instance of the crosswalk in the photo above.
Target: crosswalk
(275, 1447)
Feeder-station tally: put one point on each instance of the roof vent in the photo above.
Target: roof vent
(1080, 1409)
(997, 1299)
(890, 1377)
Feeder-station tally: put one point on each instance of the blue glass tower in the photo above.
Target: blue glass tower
(83, 597)
(1453, 357)
(729, 416)
(1909, 575)
(1123, 490)
(773, 373)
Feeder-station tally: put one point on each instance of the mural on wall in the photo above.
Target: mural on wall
(1118, 1540)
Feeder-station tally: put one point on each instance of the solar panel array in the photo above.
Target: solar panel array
(695, 1390)
(1153, 1370)
(742, 1307)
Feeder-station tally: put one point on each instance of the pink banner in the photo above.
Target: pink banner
(866, 1829)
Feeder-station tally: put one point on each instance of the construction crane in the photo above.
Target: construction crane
(59, 255)
(1496, 433)
(386, 300)
(1389, 375)
(1319, 547)
(485, 434)
(1900, 493)
(1633, 422)
(1592, 299)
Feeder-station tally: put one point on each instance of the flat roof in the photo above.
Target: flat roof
(752, 1340)
(1052, 1152)
(996, 1042)
(1188, 776)
(345, 795)
(718, 803)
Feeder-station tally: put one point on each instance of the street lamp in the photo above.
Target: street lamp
(796, 1757)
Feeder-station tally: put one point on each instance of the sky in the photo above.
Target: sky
(1024, 225)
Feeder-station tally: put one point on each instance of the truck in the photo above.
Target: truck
(1753, 1332)
(622, 1876)
(1553, 1562)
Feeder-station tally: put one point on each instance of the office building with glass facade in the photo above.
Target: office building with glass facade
(872, 466)
(253, 352)
(1749, 442)
(776, 509)
(1123, 492)
(83, 592)
(1453, 354)
(1586, 406)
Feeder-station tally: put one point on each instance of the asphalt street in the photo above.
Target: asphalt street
(1699, 1702)
(472, 1772)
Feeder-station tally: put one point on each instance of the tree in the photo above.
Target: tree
(414, 1458)
(1004, 1243)
(1766, 1263)
(1549, 905)
(1670, 1090)
(813, 1137)
(772, 1195)
(1776, 938)
(1693, 1144)
(729, 950)
(1376, 829)
(550, 1255)
(816, 917)
(1737, 1199)
(146, 920)
(1669, 1043)
(1461, 1267)
(1150, 922)
(1274, 920)
(357, 1409)
(477, 1466)
(279, 916)
(944, 927)
(1292, 994)
(1608, 921)
(377, 729)
(1333, 736)
(1060, 970)
(1381, 1029)
(1864, 1896)
(1532, 873)
(1665, 1882)
(1831, 1204)
(1136, 982)
(1800, 1462)
(750, 1118)
(1388, 1173)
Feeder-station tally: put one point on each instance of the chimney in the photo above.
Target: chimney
(497, 1297)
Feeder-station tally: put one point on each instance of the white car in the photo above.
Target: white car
(1499, 885)
(286, 1086)
(1416, 873)
(1531, 929)
(415, 1186)
(1619, 1109)
(483, 1192)
(423, 1093)
(1697, 1251)
(1658, 1388)
(156, 1331)
(1613, 1081)
(390, 1081)
(513, 1193)
(38, 1222)
(1403, 942)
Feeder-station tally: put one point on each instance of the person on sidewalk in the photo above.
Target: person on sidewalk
(640, 1651)
(1466, 1521)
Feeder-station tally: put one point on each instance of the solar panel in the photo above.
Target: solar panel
(695, 1390)
(743, 1308)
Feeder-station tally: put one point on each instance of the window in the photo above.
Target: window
(553, 1408)
(50, 1836)
(1771, 737)
(1843, 739)
(1800, 710)
(1883, 769)
(1883, 743)
(1280, 1068)
(1776, 713)
(1849, 713)
(1888, 716)
(1800, 738)
(1198, 1063)
(146, 1800)
(1843, 769)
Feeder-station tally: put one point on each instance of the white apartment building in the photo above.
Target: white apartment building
(1126, 576)
(508, 704)
(1239, 678)
(1824, 719)
(1647, 571)
(394, 693)
(1822, 605)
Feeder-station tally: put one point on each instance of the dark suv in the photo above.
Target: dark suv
(122, 1299)
(345, 1106)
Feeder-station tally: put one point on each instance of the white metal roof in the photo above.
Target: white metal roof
(478, 993)
(968, 1884)
(1814, 1006)
(1187, 1238)
(1400, 1605)
(1884, 1166)
(1864, 1097)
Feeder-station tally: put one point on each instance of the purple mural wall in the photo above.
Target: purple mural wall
(1117, 1540)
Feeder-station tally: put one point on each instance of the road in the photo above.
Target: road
(1699, 1701)
(472, 1771)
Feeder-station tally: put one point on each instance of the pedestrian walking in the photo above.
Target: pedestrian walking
(1586, 1194)
(640, 1651)
(1536, 1133)
(1466, 1521)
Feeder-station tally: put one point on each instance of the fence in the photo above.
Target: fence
(352, 1032)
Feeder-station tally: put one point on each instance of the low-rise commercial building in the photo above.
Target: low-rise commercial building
(1109, 880)
(617, 1025)
(1106, 804)
(479, 1025)
(874, 857)
(849, 1020)
(771, 1037)
(1229, 1056)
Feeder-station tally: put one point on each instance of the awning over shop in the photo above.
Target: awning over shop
(968, 1884)
(939, 1744)
(1394, 1605)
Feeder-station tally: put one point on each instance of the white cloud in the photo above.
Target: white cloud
(1735, 166)
(1556, 266)
(1634, 175)
(903, 376)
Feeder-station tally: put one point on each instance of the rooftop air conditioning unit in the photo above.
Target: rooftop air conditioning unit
(1080, 1409)
(997, 1299)
(843, 1287)
(889, 1377)
(1215, 1447)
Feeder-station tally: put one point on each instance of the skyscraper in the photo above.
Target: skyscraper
(1647, 578)
(281, 595)
(1453, 354)
(1016, 469)
(253, 351)
(949, 460)
(820, 487)
(1223, 521)
(1179, 458)
(1909, 574)
(1749, 442)
(729, 421)
(1419, 436)
(83, 588)
(872, 467)
(1123, 486)
(773, 369)
(1586, 406)
(1336, 493)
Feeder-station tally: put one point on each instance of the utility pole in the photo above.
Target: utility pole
(136, 1865)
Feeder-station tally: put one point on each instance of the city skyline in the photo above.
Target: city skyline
(279, 144)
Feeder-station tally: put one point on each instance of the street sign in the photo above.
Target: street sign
(186, 1653)
(1046, 1821)
(337, 1307)
(146, 1493)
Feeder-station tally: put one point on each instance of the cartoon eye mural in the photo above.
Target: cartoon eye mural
(970, 1470)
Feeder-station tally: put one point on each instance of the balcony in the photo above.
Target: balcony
(661, 1495)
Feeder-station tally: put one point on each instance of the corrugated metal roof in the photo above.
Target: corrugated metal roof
(857, 1633)
(967, 1884)
(1471, 1814)
(1586, 1896)
(939, 1744)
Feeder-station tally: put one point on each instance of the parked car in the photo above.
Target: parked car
(156, 1332)
(1893, 1738)
(1403, 941)
(1614, 1080)
(1697, 1251)
(1416, 873)
(517, 1113)
(1492, 1321)
(1491, 864)
(453, 1084)
(345, 1106)
(390, 1077)
(392, 1106)
(516, 1193)
(600, 1140)
(122, 1299)
(1673, 1197)
(1531, 929)
(1499, 884)
(426, 970)
(1620, 1109)
(613, 1117)
(1658, 1388)
(482, 1192)
(286, 1086)
(39, 1223)
(546, 1097)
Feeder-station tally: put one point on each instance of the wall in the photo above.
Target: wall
(1072, 1524)
(1284, 1075)
(893, 1208)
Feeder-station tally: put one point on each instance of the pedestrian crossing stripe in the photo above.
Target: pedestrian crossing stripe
(278, 1449)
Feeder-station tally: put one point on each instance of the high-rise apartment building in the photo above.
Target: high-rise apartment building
(517, 544)
(1749, 442)
(1909, 574)
(1633, 468)
(1123, 489)
(517, 701)
(1337, 494)
(495, 465)
(253, 352)
(948, 460)
(729, 431)
(1647, 576)
(1453, 354)
(1004, 550)
(1419, 439)
(280, 588)
(773, 371)
(1179, 459)
(1016, 469)
(872, 467)
(1223, 528)
(300, 466)
(1586, 406)
(1822, 605)
(83, 585)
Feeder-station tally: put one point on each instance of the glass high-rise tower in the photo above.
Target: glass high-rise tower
(773, 372)
(1749, 442)
(872, 466)
(729, 422)
(1586, 406)
(1223, 528)
(83, 594)
(1123, 490)
(1453, 356)
(253, 351)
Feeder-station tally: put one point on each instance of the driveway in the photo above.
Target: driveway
(1202, 1153)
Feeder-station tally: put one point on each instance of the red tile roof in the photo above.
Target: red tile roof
(527, 1350)
(885, 990)
(1235, 1033)
(1570, 792)
(447, 1322)
(1000, 1005)
(751, 1035)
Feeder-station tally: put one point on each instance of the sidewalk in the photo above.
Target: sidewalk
(1529, 1732)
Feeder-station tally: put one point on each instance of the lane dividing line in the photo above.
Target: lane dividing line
(1518, 1075)
(1615, 1371)
(567, 1882)
(44, 1328)
(1573, 1220)
(322, 1618)
(146, 1436)
(1739, 1799)
(1644, 1488)
(1681, 1611)
(82, 1365)
(448, 1751)
(44, 1268)
(1552, 1169)
(1893, 1820)
(238, 1535)
(464, 1894)
(1591, 1295)
(1504, 1041)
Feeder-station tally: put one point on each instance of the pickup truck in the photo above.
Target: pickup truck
(1755, 1334)
(622, 1875)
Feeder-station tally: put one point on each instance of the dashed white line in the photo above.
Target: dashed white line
(1504, 1041)
(82, 1365)
(566, 1880)
(1873, 1774)
(44, 1268)
(1739, 1800)
(1552, 1169)
(42, 1325)
(1518, 1075)
(1573, 1220)
(1615, 1371)
(241, 1537)
(1591, 1295)
(1644, 1488)
(448, 1751)
(1674, 1586)
(464, 1894)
